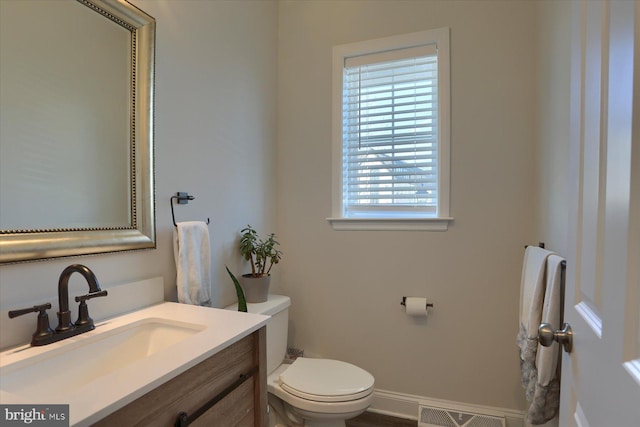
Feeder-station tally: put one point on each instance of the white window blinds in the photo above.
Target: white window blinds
(390, 134)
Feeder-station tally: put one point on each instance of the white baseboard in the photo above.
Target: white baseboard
(406, 406)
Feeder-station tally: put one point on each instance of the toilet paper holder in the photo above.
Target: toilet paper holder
(404, 302)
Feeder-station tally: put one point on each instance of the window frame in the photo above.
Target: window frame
(439, 222)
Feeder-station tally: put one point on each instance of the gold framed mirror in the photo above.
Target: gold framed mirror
(76, 142)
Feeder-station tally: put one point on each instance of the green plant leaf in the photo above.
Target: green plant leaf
(242, 301)
(262, 253)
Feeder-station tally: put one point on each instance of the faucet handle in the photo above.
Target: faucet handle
(83, 310)
(91, 295)
(40, 308)
(43, 330)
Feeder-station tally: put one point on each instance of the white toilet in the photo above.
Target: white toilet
(309, 392)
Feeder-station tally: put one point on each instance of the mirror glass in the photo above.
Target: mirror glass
(76, 128)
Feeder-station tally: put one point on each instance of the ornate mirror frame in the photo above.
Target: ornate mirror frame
(28, 245)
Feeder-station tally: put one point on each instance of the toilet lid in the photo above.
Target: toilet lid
(325, 380)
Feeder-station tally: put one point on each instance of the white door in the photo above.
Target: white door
(601, 376)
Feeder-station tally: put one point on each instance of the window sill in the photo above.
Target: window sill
(391, 224)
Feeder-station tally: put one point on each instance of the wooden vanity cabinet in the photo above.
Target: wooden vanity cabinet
(219, 380)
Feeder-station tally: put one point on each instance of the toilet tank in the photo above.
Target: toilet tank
(276, 306)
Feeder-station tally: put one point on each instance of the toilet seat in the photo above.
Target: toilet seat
(326, 380)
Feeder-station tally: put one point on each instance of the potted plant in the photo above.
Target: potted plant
(263, 254)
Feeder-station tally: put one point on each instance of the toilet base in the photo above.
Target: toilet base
(320, 423)
(287, 410)
(276, 420)
(282, 414)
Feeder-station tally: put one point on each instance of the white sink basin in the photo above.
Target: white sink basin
(94, 357)
(100, 371)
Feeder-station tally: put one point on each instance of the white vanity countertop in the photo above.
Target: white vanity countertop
(108, 392)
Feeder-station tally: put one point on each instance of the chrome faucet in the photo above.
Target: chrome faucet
(65, 329)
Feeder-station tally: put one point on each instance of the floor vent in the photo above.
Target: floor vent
(431, 416)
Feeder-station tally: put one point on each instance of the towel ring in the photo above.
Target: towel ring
(182, 199)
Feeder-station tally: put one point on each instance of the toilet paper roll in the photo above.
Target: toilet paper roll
(416, 306)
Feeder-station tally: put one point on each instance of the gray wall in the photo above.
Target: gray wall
(552, 130)
(346, 286)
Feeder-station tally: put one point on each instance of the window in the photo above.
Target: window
(391, 133)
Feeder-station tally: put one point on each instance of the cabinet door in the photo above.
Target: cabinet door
(235, 410)
(193, 389)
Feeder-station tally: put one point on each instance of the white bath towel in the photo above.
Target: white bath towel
(193, 263)
(546, 393)
(532, 290)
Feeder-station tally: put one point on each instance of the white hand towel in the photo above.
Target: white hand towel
(532, 289)
(191, 250)
(546, 395)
